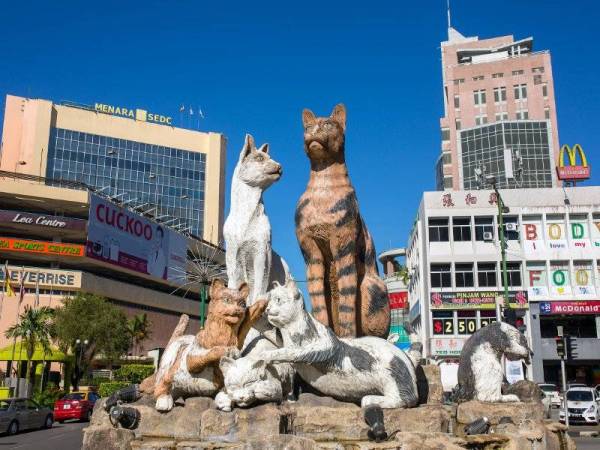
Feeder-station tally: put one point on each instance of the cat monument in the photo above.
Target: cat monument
(189, 366)
(343, 280)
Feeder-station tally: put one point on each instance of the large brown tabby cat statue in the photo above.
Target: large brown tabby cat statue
(190, 364)
(343, 280)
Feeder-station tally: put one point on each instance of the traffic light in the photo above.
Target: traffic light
(571, 347)
(560, 346)
(520, 324)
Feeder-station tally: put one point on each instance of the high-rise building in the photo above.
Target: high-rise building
(130, 154)
(499, 114)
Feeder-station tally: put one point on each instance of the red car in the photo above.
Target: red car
(76, 405)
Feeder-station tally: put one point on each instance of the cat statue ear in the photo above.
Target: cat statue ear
(249, 145)
(216, 285)
(264, 148)
(339, 114)
(244, 290)
(308, 118)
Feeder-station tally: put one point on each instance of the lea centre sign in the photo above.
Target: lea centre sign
(573, 171)
(41, 220)
(137, 114)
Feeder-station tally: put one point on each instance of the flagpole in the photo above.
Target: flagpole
(21, 295)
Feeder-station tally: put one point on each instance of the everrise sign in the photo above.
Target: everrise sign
(137, 114)
(44, 278)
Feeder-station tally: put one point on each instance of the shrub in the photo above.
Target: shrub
(134, 373)
(48, 396)
(107, 389)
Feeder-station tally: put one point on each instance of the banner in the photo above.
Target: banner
(476, 299)
(126, 239)
(44, 278)
(560, 283)
(41, 220)
(446, 346)
(43, 247)
(595, 234)
(533, 244)
(556, 236)
(583, 277)
(571, 307)
(538, 281)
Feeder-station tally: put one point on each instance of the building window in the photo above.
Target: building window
(487, 317)
(547, 113)
(461, 228)
(520, 91)
(500, 94)
(458, 124)
(497, 75)
(447, 158)
(511, 230)
(466, 322)
(478, 78)
(447, 182)
(522, 114)
(445, 134)
(517, 72)
(486, 274)
(481, 120)
(463, 275)
(456, 102)
(443, 322)
(441, 276)
(501, 116)
(484, 225)
(459, 81)
(513, 271)
(479, 97)
(438, 229)
(545, 90)
(538, 69)
(537, 79)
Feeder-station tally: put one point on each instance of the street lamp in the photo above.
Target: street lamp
(79, 348)
(508, 314)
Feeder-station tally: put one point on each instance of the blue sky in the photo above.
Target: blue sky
(253, 66)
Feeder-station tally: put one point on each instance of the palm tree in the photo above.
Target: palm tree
(33, 328)
(403, 274)
(139, 329)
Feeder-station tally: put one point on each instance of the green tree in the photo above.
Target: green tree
(402, 273)
(92, 318)
(34, 327)
(139, 330)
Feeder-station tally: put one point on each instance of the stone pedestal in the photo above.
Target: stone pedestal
(322, 423)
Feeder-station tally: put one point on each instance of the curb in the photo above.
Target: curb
(583, 433)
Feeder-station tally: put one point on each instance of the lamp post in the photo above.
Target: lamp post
(79, 349)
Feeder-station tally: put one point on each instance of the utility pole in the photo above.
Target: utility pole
(560, 350)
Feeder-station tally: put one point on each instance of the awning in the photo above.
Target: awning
(20, 354)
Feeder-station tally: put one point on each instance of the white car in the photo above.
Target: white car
(547, 402)
(583, 404)
(551, 391)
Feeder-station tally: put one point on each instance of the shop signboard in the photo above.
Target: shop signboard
(398, 300)
(43, 277)
(570, 307)
(446, 346)
(127, 239)
(41, 220)
(41, 247)
(476, 299)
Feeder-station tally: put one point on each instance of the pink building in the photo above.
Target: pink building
(499, 113)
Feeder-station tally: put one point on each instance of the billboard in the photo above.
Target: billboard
(41, 247)
(570, 307)
(572, 172)
(41, 220)
(398, 300)
(476, 299)
(127, 239)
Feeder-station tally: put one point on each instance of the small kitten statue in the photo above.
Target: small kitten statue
(368, 370)
(190, 364)
(248, 380)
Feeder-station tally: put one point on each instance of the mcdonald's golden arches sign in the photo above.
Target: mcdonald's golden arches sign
(572, 171)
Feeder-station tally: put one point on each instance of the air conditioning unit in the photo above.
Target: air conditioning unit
(488, 236)
(511, 227)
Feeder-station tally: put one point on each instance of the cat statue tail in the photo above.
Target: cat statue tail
(415, 352)
(147, 385)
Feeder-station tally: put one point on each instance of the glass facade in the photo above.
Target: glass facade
(485, 145)
(168, 179)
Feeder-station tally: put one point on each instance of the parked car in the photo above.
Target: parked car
(76, 405)
(18, 414)
(583, 405)
(575, 385)
(547, 402)
(552, 392)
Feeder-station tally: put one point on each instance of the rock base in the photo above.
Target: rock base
(323, 423)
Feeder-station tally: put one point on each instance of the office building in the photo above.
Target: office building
(130, 154)
(553, 267)
(499, 114)
(395, 279)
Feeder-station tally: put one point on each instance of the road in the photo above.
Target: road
(66, 436)
(583, 443)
